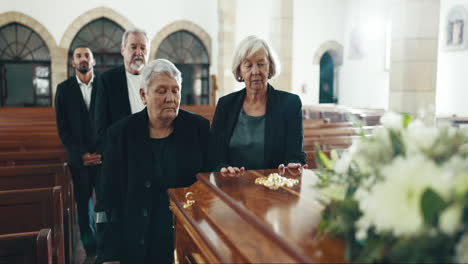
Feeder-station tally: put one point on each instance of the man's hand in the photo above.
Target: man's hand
(90, 159)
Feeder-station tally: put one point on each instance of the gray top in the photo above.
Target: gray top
(246, 147)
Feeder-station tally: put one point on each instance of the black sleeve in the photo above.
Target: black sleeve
(65, 130)
(204, 140)
(294, 134)
(112, 184)
(102, 117)
(217, 155)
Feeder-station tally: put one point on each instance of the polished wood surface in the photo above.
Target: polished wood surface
(30, 210)
(41, 176)
(39, 157)
(235, 220)
(26, 248)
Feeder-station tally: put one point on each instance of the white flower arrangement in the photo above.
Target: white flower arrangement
(406, 193)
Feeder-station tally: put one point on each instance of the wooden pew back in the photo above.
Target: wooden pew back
(39, 157)
(26, 248)
(33, 209)
(43, 176)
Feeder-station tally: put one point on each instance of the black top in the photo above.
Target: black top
(129, 191)
(112, 103)
(247, 142)
(284, 136)
(74, 122)
(160, 238)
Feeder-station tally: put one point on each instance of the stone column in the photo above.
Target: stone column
(281, 40)
(413, 72)
(226, 45)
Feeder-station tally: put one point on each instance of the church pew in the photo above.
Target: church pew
(207, 111)
(18, 158)
(313, 123)
(328, 143)
(317, 133)
(27, 248)
(33, 209)
(340, 113)
(28, 112)
(41, 176)
(30, 143)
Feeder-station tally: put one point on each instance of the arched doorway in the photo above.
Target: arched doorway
(24, 67)
(104, 38)
(327, 70)
(190, 56)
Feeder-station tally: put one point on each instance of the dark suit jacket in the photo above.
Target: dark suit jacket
(284, 136)
(112, 103)
(128, 170)
(74, 121)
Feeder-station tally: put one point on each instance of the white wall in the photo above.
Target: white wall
(315, 22)
(452, 68)
(151, 15)
(364, 82)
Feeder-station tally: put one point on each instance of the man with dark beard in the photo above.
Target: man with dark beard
(119, 96)
(74, 107)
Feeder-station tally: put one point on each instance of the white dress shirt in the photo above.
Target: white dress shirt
(133, 86)
(86, 90)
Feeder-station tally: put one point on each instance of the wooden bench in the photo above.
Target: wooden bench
(33, 209)
(39, 157)
(27, 247)
(42, 176)
(29, 143)
(207, 111)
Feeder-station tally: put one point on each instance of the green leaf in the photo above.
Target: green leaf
(372, 251)
(325, 160)
(431, 205)
(397, 143)
(407, 119)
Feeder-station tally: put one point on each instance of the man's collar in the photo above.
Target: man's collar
(80, 82)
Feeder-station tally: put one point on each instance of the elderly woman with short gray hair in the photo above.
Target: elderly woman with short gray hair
(257, 127)
(158, 148)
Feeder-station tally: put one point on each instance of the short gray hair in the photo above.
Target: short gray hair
(160, 66)
(248, 47)
(134, 31)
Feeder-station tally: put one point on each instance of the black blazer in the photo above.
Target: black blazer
(112, 103)
(127, 172)
(74, 121)
(284, 136)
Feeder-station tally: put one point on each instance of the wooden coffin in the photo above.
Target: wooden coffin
(234, 220)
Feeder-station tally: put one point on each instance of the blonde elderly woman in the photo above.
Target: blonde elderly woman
(257, 127)
(158, 148)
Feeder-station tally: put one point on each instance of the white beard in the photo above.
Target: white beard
(137, 65)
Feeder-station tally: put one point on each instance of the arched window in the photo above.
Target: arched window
(103, 37)
(24, 67)
(190, 56)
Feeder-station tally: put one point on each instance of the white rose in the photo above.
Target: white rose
(450, 219)
(392, 120)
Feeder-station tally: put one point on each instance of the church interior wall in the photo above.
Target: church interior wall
(315, 22)
(360, 26)
(452, 77)
(364, 78)
(150, 15)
